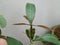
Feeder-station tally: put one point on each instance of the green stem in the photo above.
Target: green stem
(31, 43)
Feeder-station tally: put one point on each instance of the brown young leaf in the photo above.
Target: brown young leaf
(25, 17)
(44, 27)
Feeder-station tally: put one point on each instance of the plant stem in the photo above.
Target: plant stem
(31, 34)
(31, 43)
(30, 31)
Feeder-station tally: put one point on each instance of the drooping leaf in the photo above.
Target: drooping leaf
(48, 38)
(45, 27)
(12, 41)
(33, 25)
(30, 11)
(2, 21)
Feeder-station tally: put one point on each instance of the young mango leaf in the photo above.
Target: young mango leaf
(2, 21)
(33, 32)
(28, 33)
(12, 41)
(48, 38)
(45, 27)
(30, 11)
(25, 17)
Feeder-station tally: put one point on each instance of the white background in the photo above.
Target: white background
(47, 13)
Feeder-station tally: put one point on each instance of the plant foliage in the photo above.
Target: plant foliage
(30, 12)
(2, 21)
(12, 41)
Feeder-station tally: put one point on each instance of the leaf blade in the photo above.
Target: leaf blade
(30, 11)
(2, 21)
(12, 41)
(48, 38)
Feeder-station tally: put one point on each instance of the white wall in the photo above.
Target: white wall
(48, 13)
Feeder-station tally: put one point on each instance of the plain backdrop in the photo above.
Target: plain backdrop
(47, 13)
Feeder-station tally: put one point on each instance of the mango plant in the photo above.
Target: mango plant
(6, 40)
(30, 15)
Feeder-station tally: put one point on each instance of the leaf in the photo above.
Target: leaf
(28, 33)
(12, 41)
(48, 38)
(44, 27)
(2, 21)
(30, 11)
(37, 38)
(59, 43)
(33, 32)
(25, 17)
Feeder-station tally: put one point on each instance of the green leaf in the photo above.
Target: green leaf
(28, 33)
(12, 41)
(37, 38)
(59, 43)
(48, 38)
(30, 11)
(2, 21)
(33, 32)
